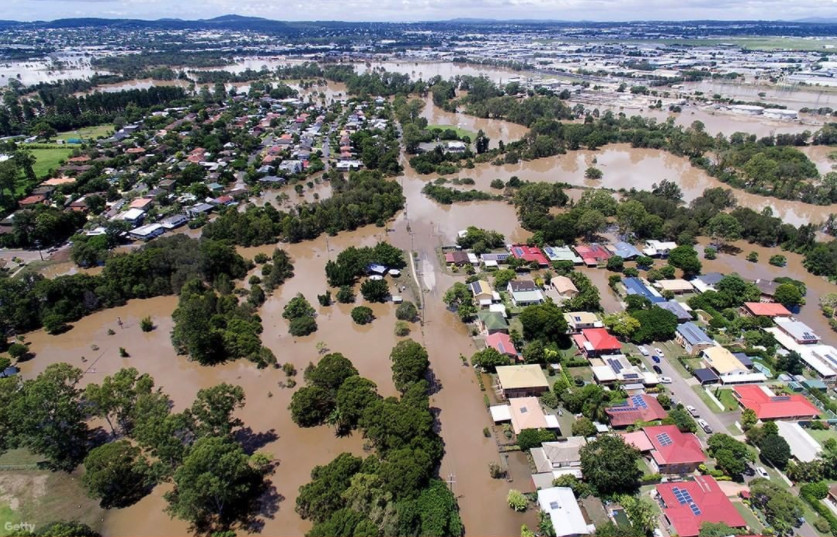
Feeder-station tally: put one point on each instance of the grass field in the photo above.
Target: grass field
(7, 516)
(728, 400)
(48, 158)
(459, 132)
(822, 436)
(87, 133)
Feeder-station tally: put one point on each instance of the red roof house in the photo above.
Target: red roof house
(674, 452)
(502, 343)
(529, 253)
(34, 199)
(769, 406)
(766, 309)
(592, 254)
(597, 341)
(641, 407)
(688, 504)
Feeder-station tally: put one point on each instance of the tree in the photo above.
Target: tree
(302, 326)
(727, 462)
(682, 419)
(344, 523)
(116, 398)
(409, 364)
(790, 362)
(655, 324)
(353, 398)
(216, 486)
(213, 408)
(589, 223)
(517, 500)
(543, 321)
(439, 511)
(532, 438)
(630, 215)
(345, 295)
(731, 455)
(781, 508)
(298, 307)
(362, 315)
(724, 228)
(748, 419)
(583, 427)
(775, 450)
(50, 416)
(716, 529)
(686, 259)
(311, 406)
(640, 512)
(375, 290)
(406, 311)
(117, 474)
(489, 358)
(593, 173)
(788, 295)
(609, 465)
(331, 372)
(622, 324)
(611, 529)
(323, 496)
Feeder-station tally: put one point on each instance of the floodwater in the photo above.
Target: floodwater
(426, 70)
(816, 286)
(495, 129)
(792, 96)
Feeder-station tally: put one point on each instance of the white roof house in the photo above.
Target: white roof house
(802, 446)
(820, 358)
(564, 512)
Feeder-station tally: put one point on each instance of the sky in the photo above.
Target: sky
(420, 10)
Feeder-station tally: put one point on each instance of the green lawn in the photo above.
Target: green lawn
(459, 132)
(822, 436)
(706, 399)
(87, 133)
(728, 400)
(48, 158)
(7, 516)
(749, 517)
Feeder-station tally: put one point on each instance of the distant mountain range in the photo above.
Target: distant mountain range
(259, 24)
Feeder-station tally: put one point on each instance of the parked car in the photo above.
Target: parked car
(762, 472)
(643, 350)
(665, 380)
(692, 410)
(656, 359)
(657, 370)
(705, 426)
(659, 351)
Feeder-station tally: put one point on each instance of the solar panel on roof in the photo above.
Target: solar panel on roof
(615, 365)
(664, 439)
(632, 376)
(695, 509)
(553, 505)
(523, 410)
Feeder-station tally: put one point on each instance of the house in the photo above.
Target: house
(765, 309)
(677, 286)
(526, 413)
(490, 322)
(769, 406)
(492, 259)
(767, 288)
(797, 330)
(175, 221)
(455, 146)
(291, 166)
(457, 257)
(482, 291)
(637, 408)
(141, 203)
(655, 248)
(147, 232)
(502, 343)
(625, 250)
(802, 446)
(564, 287)
(722, 361)
(579, 320)
(562, 253)
(707, 282)
(560, 455)
(692, 338)
(674, 452)
(592, 254)
(564, 512)
(596, 342)
(524, 292)
(31, 201)
(679, 310)
(636, 286)
(132, 216)
(521, 380)
(687, 505)
(198, 209)
(529, 254)
(820, 358)
(612, 368)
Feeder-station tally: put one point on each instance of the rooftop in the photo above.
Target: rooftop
(529, 253)
(600, 339)
(693, 334)
(671, 446)
(689, 504)
(564, 512)
(722, 360)
(767, 309)
(768, 405)
(641, 407)
(521, 376)
(526, 413)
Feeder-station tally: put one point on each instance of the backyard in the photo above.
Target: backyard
(87, 133)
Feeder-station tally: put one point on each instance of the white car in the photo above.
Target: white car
(692, 410)
(659, 351)
(762, 472)
(643, 350)
(705, 426)
(665, 380)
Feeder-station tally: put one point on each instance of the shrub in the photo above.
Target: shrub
(778, 260)
(406, 311)
(402, 329)
(146, 324)
(593, 173)
(550, 400)
(496, 471)
(710, 253)
(289, 369)
(345, 295)
(261, 258)
(486, 432)
(362, 315)
(532, 438)
(302, 326)
(254, 280)
(324, 299)
(630, 272)
(17, 351)
(517, 500)
(123, 353)
(498, 184)
(753, 257)
(615, 263)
